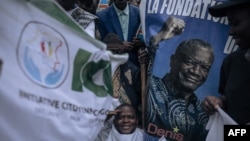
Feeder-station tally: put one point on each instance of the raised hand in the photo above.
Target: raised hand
(112, 113)
(171, 27)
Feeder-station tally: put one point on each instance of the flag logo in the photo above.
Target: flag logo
(42, 53)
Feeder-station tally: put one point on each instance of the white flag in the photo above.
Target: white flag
(215, 125)
(55, 80)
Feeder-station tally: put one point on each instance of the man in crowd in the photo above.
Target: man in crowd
(122, 19)
(126, 79)
(84, 14)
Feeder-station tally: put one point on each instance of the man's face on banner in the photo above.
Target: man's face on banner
(191, 67)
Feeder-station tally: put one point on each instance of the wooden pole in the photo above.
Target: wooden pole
(143, 68)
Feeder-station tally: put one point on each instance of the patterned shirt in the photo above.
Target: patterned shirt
(168, 114)
(86, 20)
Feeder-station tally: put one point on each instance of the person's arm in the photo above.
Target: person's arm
(104, 132)
(171, 27)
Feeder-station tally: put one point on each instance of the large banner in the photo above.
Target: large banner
(198, 24)
(168, 114)
(55, 80)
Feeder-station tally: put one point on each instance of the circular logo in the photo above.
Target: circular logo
(43, 54)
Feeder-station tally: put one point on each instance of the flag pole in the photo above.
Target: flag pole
(143, 86)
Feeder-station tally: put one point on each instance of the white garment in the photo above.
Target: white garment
(114, 135)
(216, 124)
(90, 29)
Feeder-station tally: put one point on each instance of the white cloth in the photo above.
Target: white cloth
(114, 135)
(90, 29)
(216, 124)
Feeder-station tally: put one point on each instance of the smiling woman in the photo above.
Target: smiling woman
(124, 125)
(125, 121)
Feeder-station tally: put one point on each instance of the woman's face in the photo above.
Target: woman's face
(126, 122)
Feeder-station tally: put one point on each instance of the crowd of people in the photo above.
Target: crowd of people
(172, 109)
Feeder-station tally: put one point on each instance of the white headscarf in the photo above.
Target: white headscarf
(114, 135)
